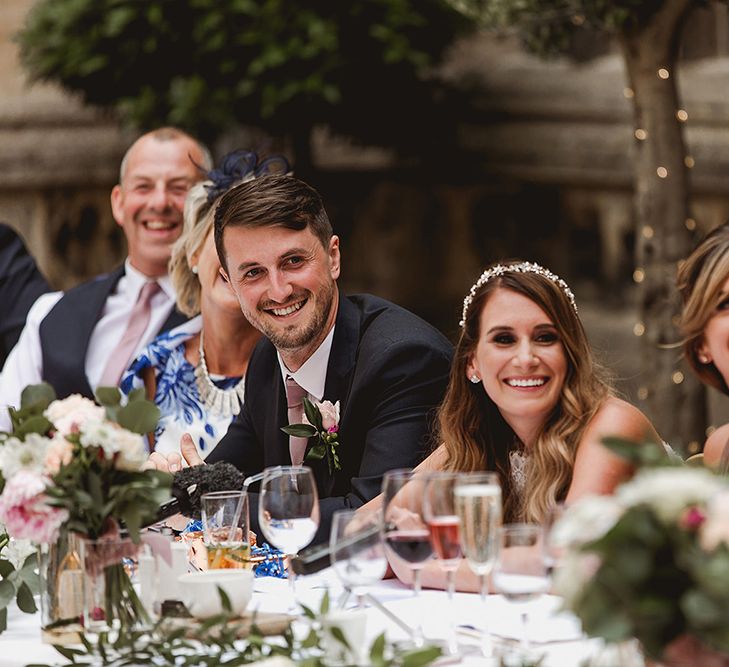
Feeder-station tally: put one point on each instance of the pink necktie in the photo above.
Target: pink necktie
(120, 358)
(295, 402)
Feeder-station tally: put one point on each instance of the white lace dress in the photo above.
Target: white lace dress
(518, 463)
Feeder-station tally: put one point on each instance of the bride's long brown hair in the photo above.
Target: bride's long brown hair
(476, 436)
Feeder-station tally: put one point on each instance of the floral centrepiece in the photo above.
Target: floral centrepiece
(651, 562)
(73, 467)
(320, 419)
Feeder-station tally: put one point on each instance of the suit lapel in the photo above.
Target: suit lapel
(342, 358)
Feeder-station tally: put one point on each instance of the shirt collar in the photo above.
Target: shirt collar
(137, 279)
(312, 375)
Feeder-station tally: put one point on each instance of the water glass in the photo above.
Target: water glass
(357, 552)
(225, 523)
(520, 574)
(288, 511)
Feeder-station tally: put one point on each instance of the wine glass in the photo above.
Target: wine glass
(288, 511)
(553, 549)
(478, 506)
(406, 535)
(357, 553)
(520, 574)
(439, 511)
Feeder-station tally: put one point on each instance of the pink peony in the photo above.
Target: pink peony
(24, 511)
(67, 414)
(60, 452)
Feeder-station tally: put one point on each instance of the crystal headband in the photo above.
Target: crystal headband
(523, 267)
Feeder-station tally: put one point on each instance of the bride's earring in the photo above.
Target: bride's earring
(475, 379)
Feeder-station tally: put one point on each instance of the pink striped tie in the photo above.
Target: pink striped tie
(121, 357)
(295, 402)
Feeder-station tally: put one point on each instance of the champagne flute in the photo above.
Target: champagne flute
(520, 574)
(288, 512)
(357, 553)
(478, 506)
(406, 535)
(440, 515)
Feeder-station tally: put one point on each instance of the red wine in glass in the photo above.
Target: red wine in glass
(413, 546)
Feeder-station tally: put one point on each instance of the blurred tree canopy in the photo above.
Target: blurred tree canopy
(649, 33)
(283, 65)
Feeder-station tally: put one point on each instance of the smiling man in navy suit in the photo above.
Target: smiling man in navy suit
(387, 368)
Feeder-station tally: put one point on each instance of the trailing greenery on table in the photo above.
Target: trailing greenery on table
(217, 642)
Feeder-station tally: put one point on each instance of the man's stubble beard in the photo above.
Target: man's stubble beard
(283, 340)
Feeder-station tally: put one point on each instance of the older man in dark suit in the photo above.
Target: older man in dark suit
(387, 368)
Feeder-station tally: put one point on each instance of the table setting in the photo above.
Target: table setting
(637, 578)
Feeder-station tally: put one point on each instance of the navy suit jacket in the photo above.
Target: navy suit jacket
(66, 330)
(21, 283)
(388, 369)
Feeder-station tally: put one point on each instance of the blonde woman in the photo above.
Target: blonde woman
(703, 280)
(526, 399)
(196, 372)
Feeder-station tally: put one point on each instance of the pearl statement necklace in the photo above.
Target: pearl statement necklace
(223, 402)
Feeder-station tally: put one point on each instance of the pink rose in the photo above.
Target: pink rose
(329, 415)
(692, 518)
(24, 511)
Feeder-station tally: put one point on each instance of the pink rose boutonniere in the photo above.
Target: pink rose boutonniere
(321, 420)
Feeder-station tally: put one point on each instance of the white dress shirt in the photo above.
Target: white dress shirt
(24, 364)
(312, 375)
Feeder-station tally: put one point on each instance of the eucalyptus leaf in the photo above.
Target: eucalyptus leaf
(313, 414)
(317, 452)
(299, 430)
(139, 417)
(37, 396)
(108, 396)
(138, 394)
(421, 657)
(25, 599)
(7, 593)
(35, 424)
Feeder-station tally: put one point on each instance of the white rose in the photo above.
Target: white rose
(132, 450)
(574, 572)
(18, 455)
(715, 528)
(587, 520)
(99, 434)
(68, 414)
(669, 491)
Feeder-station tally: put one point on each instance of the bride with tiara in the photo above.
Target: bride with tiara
(527, 399)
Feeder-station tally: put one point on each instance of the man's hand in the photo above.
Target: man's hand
(174, 462)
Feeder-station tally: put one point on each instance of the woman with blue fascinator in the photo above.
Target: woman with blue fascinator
(196, 373)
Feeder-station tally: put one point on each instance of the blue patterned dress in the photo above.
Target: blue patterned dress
(176, 393)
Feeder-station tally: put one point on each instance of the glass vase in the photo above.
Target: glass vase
(61, 587)
(110, 599)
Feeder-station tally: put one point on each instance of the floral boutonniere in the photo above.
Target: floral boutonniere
(321, 420)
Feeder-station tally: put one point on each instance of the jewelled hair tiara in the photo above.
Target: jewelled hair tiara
(522, 267)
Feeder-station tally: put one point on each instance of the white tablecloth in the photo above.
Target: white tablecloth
(556, 635)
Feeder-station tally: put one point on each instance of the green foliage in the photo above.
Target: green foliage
(20, 584)
(216, 641)
(29, 418)
(282, 64)
(652, 576)
(548, 27)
